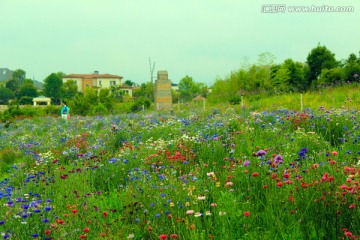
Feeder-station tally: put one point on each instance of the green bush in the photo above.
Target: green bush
(30, 111)
(52, 110)
(25, 100)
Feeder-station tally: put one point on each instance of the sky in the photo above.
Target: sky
(204, 39)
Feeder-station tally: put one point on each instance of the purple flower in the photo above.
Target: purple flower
(303, 152)
(246, 163)
(260, 153)
(278, 159)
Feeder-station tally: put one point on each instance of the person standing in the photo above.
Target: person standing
(64, 111)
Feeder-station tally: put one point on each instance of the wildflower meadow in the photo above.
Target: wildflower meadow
(215, 174)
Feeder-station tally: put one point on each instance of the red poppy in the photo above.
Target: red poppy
(255, 174)
(163, 236)
(86, 230)
(286, 175)
(74, 211)
(47, 232)
(246, 214)
(274, 175)
(105, 214)
(174, 235)
(83, 236)
(60, 221)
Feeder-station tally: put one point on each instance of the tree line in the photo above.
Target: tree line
(253, 80)
(321, 69)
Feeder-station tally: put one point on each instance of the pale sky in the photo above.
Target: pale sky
(205, 39)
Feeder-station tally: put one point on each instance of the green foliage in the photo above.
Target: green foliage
(69, 89)
(52, 87)
(7, 157)
(19, 76)
(52, 110)
(99, 109)
(146, 90)
(5, 95)
(318, 59)
(330, 76)
(12, 85)
(351, 69)
(235, 100)
(140, 104)
(26, 100)
(188, 88)
(27, 89)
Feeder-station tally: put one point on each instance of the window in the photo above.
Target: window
(112, 83)
(99, 82)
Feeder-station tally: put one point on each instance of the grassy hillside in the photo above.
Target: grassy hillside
(347, 96)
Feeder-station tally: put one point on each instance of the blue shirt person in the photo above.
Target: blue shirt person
(64, 111)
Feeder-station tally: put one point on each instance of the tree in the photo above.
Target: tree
(5, 95)
(330, 76)
(281, 78)
(318, 59)
(297, 81)
(19, 76)
(351, 68)
(52, 87)
(266, 60)
(145, 91)
(129, 83)
(27, 89)
(188, 88)
(12, 85)
(69, 89)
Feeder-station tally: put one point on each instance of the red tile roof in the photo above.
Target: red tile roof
(92, 75)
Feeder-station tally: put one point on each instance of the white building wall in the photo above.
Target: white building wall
(78, 82)
(106, 82)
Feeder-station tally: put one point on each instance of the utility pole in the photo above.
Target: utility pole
(152, 67)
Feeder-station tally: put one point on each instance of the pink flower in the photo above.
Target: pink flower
(189, 212)
(229, 184)
(323, 179)
(334, 153)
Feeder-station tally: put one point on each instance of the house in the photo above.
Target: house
(93, 80)
(5, 74)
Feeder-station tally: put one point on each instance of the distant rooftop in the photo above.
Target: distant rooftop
(92, 75)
